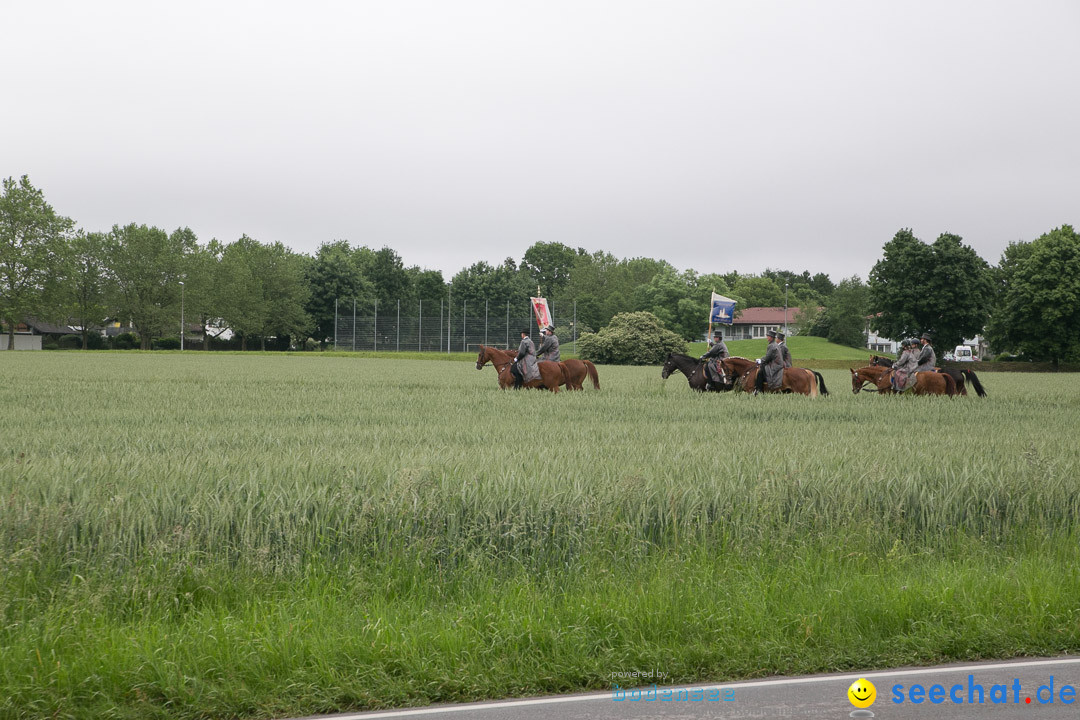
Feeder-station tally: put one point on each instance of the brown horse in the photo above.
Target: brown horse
(577, 370)
(552, 374)
(796, 380)
(926, 383)
(956, 374)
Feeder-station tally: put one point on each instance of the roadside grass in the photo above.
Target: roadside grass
(208, 535)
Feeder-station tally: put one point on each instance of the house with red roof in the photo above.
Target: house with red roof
(754, 322)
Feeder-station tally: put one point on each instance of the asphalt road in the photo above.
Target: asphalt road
(1031, 689)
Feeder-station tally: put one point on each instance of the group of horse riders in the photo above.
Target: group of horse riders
(524, 368)
(917, 356)
(777, 358)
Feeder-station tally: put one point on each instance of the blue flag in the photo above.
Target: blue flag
(723, 310)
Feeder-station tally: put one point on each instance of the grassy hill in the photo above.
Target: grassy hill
(802, 348)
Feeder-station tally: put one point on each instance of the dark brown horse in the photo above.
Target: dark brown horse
(694, 370)
(926, 383)
(958, 376)
(796, 380)
(552, 374)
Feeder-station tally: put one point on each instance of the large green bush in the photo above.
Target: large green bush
(637, 338)
(125, 341)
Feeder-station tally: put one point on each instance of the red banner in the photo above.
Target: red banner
(540, 309)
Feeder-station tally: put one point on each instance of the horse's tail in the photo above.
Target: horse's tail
(950, 384)
(821, 383)
(592, 374)
(974, 380)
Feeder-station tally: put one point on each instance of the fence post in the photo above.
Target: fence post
(449, 287)
(376, 324)
(335, 323)
(507, 323)
(420, 328)
(575, 327)
(398, 348)
(464, 322)
(440, 323)
(354, 324)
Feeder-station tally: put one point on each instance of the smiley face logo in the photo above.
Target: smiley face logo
(862, 693)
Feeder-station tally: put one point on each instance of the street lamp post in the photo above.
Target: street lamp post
(785, 308)
(181, 315)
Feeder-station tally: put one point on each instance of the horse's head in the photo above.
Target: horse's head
(869, 374)
(669, 366)
(481, 358)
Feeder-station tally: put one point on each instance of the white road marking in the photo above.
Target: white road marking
(735, 685)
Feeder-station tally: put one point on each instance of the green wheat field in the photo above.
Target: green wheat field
(258, 536)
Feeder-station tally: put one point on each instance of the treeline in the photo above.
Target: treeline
(51, 270)
(146, 276)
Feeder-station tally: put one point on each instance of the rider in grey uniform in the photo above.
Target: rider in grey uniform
(770, 367)
(927, 357)
(718, 351)
(549, 346)
(524, 366)
(785, 354)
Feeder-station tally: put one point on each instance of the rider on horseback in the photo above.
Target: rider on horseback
(785, 354)
(524, 367)
(904, 368)
(713, 372)
(549, 346)
(770, 367)
(927, 357)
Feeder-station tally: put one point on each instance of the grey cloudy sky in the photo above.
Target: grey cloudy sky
(715, 135)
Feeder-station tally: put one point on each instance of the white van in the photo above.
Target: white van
(962, 353)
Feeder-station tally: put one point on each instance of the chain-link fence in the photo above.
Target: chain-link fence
(421, 328)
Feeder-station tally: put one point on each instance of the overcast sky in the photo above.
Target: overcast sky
(716, 135)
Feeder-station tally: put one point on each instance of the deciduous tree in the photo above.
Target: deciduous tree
(944, 289)
(496, 285)
(148, 265)
(86, 283)
(266, 291)
(549, 265)
(1038, 308)
(31, 239)
(845, 315)
(334, 274)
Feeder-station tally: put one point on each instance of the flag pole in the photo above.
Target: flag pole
(709, 335)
